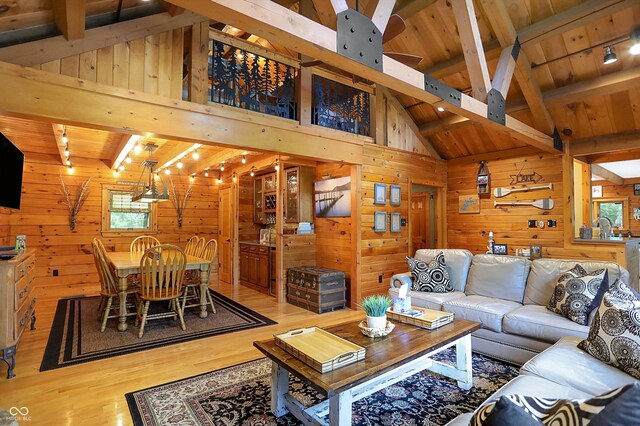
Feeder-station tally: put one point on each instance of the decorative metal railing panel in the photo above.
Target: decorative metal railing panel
(340, 107)
(245, 80)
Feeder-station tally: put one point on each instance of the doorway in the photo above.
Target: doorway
(422, 217)
(225, 223)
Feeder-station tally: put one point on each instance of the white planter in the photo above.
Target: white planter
(379, 323)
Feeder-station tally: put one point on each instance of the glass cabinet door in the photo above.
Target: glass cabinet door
(257, 200)
(291, 206)
(269, 182)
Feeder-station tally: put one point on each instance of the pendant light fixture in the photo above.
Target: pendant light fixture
(147, 190)
(609, 55)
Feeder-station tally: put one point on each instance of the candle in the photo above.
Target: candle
(490, 234)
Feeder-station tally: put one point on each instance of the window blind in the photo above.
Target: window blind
(120, 201)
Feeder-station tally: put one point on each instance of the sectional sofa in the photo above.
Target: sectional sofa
(507, 295)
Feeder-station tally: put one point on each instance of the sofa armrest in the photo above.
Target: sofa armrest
(398, 279)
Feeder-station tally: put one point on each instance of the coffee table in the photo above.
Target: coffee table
(405, 352)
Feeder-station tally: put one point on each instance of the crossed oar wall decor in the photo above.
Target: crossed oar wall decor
(544, 204)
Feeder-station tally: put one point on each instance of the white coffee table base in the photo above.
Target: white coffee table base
(339, 405)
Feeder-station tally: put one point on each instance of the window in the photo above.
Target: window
(121, 215)
(616, 210)
(612, 211)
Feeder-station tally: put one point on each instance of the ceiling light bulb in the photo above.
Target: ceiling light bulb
(167, 172)
(68, 162)
(206, 174)
(137, 149)
(635, 37)
(219, 180)
(195, 155)
(127, 160)
(70, 169)
(121, 167)
(234, 177)
(609, 56)
(253, 173)
(179, 164)
(244, 159)
(65, 139)
(441, 109)
(635, 49)
(277, 166)
(222, 167)
(192, 178)
(66, 151)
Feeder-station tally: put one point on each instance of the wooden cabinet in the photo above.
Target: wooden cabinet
(258, 216)
(298, 203)
(17, 303)
(255, 266)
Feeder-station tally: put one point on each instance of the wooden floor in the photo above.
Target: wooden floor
(93, 393)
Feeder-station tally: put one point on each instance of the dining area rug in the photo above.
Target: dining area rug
(240, 395)
(75, 335)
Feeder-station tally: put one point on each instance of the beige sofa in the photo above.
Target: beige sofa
(507, 295)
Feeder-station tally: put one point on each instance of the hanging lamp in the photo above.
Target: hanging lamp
(147, 190)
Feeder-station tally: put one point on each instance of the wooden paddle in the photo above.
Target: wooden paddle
(544, 204)
(501, 192)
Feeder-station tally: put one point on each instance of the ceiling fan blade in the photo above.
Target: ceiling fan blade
(395, 27)
(311, 64)
(409, 60)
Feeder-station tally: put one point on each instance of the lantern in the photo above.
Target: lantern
(484, 180)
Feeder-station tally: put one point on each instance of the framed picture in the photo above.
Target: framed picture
(333, 197)
(500, 249)
(394, 195)
(536, 251)
(636, 189)
(380, 221)
(469, 204)
(379, 193)
(395, 222)
(596, 191)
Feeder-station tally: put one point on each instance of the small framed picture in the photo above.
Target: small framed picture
(636, 189)
(394, 195)
(596, 191)
(536, 251)
(380, 221)
(500, 249)
(395, 222)
(379, 193)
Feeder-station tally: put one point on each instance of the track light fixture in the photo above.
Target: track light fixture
(609, 55)
(635, 37)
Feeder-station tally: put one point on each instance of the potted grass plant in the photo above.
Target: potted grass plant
(376, 309)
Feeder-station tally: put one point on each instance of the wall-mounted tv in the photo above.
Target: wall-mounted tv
(11, 165)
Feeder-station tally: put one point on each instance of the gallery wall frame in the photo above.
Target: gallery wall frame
(394, 195)
(395, 222)
(380, 221)
(379, 193)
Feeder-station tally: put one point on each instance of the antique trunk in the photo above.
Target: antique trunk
(316, 289)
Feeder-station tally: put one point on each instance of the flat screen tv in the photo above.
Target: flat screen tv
(11, 165)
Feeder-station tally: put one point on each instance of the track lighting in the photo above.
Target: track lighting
(609, 55)
(635, 37)
(179, 164)
(244, 159)
(195, 155)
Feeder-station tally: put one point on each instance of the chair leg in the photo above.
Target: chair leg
(184, 299)
(182, 325)
(105, 315)
(144, 318)
(100, 306)
(210, 299)
(139, 304)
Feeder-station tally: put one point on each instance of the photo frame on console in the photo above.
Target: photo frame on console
(500, 249)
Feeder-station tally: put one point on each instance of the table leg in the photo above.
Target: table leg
(463, 362)
(122, 293)
(204, 287)
(340, 409)
(279, 387)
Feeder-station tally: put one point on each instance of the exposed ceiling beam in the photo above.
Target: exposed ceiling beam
(172, 9)
(267, 19)
(406, 9)
(525, 151)
(127, 143)
(472, 48)
(505, 32)
(41, 51)
(382, 14)
(609, 157)
(215, 160)
(606, 143)
(449, 123)
(326, 14)
(504, 71)
(339, 5)
(58, 131)
(412, 125)
(69, 17)
(177, 154)
(457, 64)
(605, 174)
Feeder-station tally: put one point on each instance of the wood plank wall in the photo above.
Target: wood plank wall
(611, 190)
(396, 131)
(43, 217)
(152, 64)
(383, 253)
(247, 229)
(5, 228)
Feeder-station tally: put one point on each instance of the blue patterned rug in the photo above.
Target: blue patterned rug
(240, 395)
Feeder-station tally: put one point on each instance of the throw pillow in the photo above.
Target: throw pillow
(430, 277)
(610, 408)
(577, 293)
(614, 337)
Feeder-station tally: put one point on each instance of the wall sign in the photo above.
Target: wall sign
(596, 191)
(526, 178)
(469, 203)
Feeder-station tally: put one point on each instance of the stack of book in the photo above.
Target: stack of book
(422, 317)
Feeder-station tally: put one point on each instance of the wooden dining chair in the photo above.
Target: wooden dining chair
(108, 286)
(162, 274)
(194, 246)
(192, 285)
(143, 242)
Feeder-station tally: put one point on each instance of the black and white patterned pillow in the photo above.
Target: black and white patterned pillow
(614, 337)
(624, 402)
(431, 277)
(577, 293)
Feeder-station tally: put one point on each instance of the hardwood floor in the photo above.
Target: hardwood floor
(93, 393)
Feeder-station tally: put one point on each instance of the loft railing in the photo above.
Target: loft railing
(246, 80)
(341, 107)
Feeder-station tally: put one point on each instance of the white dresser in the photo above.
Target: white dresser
(17, 303)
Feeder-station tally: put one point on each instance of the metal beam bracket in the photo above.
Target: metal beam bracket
(496, 107)
(515, 52)
(442, 90)
(557, 141)
(359, 39)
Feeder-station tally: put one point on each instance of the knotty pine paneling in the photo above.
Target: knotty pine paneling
(5, 231)
(611, 190)
(44, 218)
(383, 253)
(247, 229)
(152, 64)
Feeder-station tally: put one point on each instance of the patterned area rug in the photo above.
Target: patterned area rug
(75, 335)
(240, 395)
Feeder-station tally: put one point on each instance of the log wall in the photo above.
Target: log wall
(611, 190)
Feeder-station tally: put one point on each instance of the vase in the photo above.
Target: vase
(379, 323)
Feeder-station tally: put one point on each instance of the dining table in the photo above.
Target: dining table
(127, 263)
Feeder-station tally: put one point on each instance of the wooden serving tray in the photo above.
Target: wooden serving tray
(430, 319)
(319, 349)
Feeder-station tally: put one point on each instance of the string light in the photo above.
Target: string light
(68, 162)
(234, 177)
(277, 166)
(206, 172)
(167, 172)
(244, 159)
(179, 164)
(219, 180)
(137, 149)
(635, 36)
(66, 151)
(193, 177)
(65, 139)
(195, 155)
(127, 160)
(222, 167)
(253, 171)
(121, 167)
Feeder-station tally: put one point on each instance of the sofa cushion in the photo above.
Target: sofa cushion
(564, 363)
(502, 277)
(576, 295)
(540, 323)
(537, 386)
(430, 276)
(504, 412)
(614, 337)
(457, 263)
(545, 273)
(488, 311)
(428, 300)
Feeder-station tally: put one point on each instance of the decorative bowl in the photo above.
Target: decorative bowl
(376, 332)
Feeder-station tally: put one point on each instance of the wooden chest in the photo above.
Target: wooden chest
(316, 289)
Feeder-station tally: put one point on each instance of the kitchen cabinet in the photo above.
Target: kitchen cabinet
(255, 266)
(298, 203)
